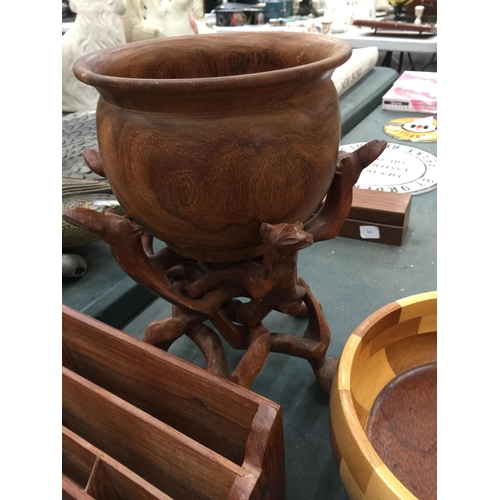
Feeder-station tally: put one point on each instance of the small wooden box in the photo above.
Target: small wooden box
(140, 423)
(378, 216)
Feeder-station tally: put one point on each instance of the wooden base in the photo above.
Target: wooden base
(200, 291)
(140, 423)
(236, 296)
(402, 428)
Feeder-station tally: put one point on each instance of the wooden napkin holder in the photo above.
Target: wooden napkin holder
(140, 423)
(378, 216)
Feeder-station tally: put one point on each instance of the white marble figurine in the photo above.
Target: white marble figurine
(98, 25)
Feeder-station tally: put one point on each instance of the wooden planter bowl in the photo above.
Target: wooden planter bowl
(383, 403)
(204, 138)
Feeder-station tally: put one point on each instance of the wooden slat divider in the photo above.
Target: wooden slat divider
(142, 424)
(172, 462)
(72, 491)
(162, 385)
(101, 476)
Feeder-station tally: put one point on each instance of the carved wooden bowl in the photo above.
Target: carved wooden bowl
(383, 403)
(205, 137)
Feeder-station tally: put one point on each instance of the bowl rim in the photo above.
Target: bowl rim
(346, 403)
(82, 68)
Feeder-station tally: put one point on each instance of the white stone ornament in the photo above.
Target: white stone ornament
(98, 25)
(419, 11)
(149, 19)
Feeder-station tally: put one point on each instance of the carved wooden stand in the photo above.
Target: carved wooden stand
(200, 291)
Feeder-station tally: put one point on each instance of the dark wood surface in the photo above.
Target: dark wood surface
(402, 428)
(107, 293)
(395, 25)
(380, 206)
(199, 292)
(387, 234)
(88, 473)
(389, 212)
(351, 278)
(182, 430)
(218, 133)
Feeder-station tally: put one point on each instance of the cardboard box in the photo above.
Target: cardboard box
(414, 91)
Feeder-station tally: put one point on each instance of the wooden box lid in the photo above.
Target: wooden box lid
(380, 207)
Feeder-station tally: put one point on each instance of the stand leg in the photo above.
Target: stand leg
(253, 360)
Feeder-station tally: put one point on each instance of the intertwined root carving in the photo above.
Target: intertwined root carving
(269, 284)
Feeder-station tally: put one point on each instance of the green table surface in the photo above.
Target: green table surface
(351, 278)
(107, 293)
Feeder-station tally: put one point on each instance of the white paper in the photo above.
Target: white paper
(369, 232)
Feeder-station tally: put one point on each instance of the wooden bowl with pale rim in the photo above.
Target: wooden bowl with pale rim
(383, 403)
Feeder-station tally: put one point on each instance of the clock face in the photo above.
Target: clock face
(399, 169)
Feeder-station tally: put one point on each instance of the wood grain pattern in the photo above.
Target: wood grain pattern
(246, 124)
(185, 432)
(403, 429)
(383, 207)
(71, 491)
(77, 460)
(200, 291)
(395, 25)
(392, 352)
(223, 147)
(141, 443)
(103, 477)
(166, 391)
(388, 235)
(390, 212)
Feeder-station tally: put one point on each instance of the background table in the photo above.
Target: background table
(110, 295)
(360, 37)
(352, 279)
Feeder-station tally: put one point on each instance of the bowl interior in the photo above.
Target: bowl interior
(383, 406)
(218, 55)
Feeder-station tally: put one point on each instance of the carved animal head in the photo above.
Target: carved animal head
(112, 228)
(285, 238)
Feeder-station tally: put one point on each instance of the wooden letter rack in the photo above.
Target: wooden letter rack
(142, 424)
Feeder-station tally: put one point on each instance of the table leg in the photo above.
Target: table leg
(431, 60)
(387, 62)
